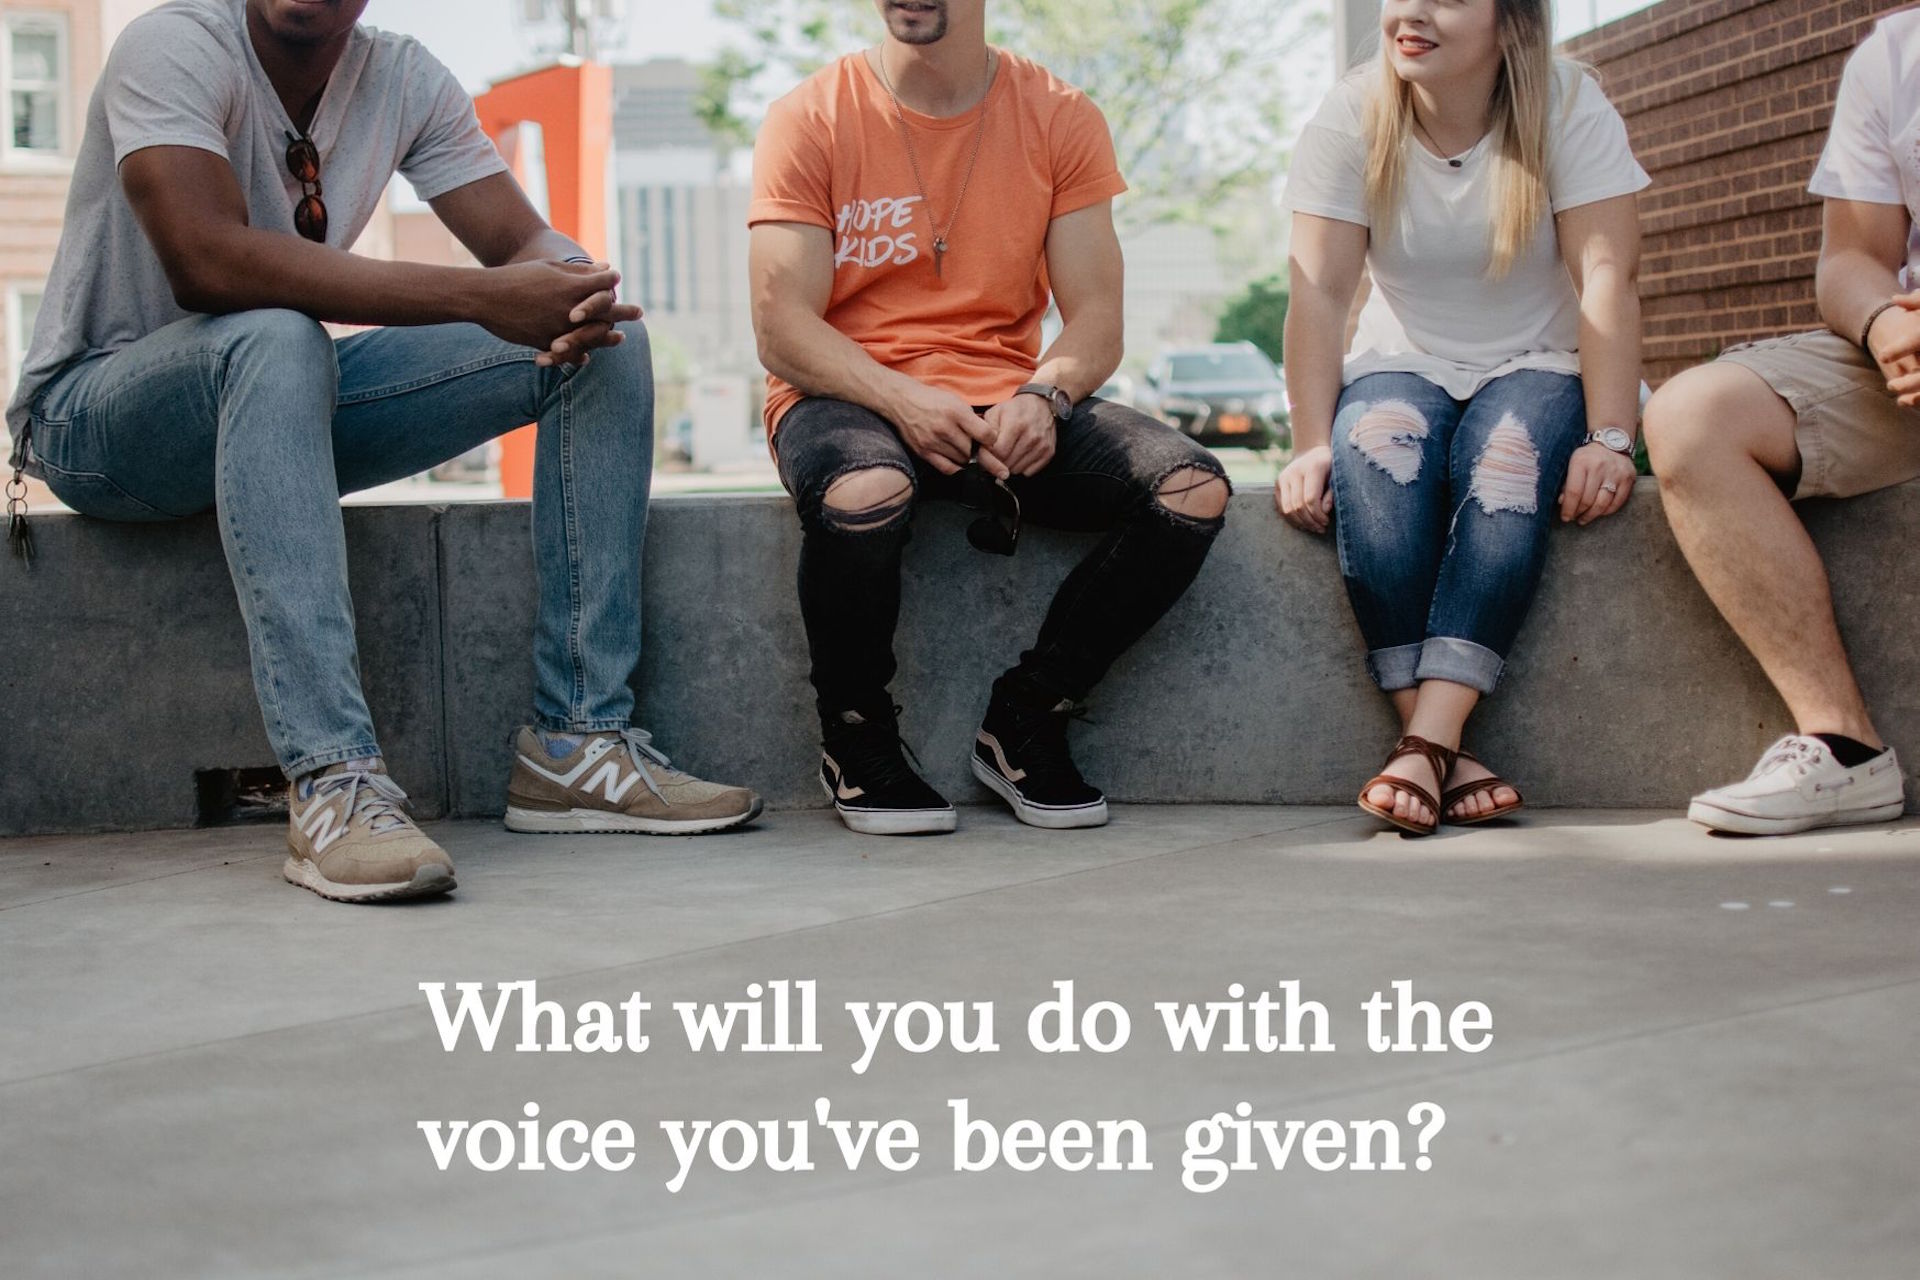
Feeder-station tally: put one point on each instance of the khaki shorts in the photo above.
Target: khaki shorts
(1853, 436)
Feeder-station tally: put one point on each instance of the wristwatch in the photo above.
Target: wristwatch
(1611, 438)
(1061, 402)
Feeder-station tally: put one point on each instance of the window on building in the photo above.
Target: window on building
(22, 309)
(33, 84)
(669, 249)
(645, 219)
(692, 251)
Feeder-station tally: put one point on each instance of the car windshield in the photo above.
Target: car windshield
(1220, 366)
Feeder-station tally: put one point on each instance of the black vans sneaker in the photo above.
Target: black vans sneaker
(873, 788)
(1021, 752)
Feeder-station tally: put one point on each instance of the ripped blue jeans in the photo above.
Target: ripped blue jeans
(1441, 511)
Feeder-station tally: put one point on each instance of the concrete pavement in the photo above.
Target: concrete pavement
(1703, 1060)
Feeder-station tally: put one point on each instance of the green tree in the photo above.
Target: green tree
(1192, 89)
(1258, 314)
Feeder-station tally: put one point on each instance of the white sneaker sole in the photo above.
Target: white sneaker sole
(893, 822)
(1719, 818)
(599, 822)
(427, 882)
(1052, 817)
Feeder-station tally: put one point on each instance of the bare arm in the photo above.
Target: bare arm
(190, 205)
(1324, 270)
(1862, 249)
(499, 226)
(1088, 275)
(1600, 243)
(1323, 275)
(790, 273)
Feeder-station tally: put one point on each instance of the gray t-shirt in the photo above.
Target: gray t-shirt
(185, 75)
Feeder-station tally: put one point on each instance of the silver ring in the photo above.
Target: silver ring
(1609, 487)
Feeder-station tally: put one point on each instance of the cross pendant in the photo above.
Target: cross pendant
(939, 253)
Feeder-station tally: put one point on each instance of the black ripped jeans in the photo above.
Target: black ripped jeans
(1107, 468)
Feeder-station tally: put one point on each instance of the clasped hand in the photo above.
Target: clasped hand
(1013, 438)
(1895, 339)
(563, 310)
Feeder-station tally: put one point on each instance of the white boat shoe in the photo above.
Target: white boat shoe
(1798, 785)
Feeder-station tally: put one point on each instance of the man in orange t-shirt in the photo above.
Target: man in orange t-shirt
(914, 207)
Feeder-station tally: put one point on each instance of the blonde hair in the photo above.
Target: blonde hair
(1520, 109)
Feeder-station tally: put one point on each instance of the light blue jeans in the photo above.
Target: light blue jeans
(263, 417)
(1441, 510)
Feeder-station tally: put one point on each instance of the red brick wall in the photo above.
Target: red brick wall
(1727, 102)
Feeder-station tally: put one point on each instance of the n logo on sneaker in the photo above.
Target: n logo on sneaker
(323, 825)
(608, 782)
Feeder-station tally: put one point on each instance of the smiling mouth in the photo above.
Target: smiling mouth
(919, 8)
(1414, 45)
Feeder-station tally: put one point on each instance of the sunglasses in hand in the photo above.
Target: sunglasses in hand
(998, 531)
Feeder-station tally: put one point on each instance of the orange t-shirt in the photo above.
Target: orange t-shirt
(831, 155)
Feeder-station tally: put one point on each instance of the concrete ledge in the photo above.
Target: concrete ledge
(127, 668)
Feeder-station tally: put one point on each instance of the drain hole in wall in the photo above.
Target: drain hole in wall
(226, 796)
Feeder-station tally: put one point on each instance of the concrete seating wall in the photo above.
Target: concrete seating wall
(126, 663)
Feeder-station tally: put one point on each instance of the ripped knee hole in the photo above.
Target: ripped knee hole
(1193, 492)
(1390, 435)
(861, 501)
(1507, 475)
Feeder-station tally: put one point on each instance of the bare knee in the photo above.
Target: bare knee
(1195, 493)
(868, 499)
(1506, 477)
(1391, 435)
(1714, 416)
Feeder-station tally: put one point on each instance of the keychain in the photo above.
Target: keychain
(19, 535)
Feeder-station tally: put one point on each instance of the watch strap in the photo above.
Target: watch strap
(1598, 437)
(1058, 400)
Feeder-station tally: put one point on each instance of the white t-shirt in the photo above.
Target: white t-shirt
(1434, 310)
(1873, 150)
(186, 75)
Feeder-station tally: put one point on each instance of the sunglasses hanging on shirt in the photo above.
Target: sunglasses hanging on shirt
(303, 162)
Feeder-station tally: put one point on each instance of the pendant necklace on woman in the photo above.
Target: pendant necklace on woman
(1454, 161)
(940, 233)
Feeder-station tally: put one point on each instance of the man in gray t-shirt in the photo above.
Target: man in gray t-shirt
(233, 150)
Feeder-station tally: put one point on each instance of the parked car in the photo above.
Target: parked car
(1228, 393)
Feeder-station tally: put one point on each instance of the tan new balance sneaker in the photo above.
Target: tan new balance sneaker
(349, 838)
(615, 781)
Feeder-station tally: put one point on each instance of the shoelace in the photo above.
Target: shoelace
(1041, 741)
(373, 796)
(876, 754)
(1792, 750)
(641, 751)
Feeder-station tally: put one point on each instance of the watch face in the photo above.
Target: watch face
(1615, 439)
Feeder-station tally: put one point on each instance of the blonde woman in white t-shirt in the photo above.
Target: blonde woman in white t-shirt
(1494, 378)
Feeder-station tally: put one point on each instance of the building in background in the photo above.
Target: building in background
(680, 195)
(51, 52)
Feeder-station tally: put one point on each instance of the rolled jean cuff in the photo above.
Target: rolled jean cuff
(1395, 668)
(552, 725)
(314, 761)
(1461, 661)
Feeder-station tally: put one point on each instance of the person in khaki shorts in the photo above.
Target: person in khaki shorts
(1826, 414)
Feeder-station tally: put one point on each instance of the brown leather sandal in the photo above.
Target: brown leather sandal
(1438, 756)
(1455, 795)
